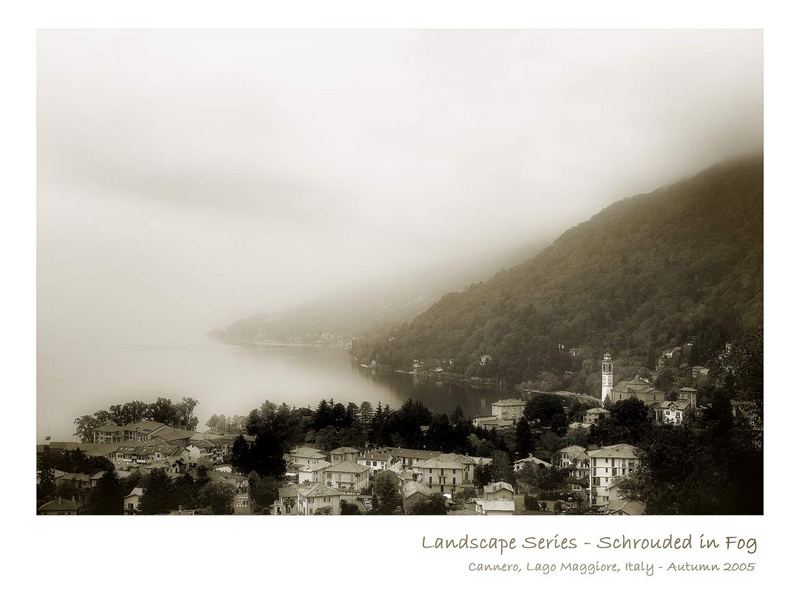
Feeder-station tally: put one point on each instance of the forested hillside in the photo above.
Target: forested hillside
(681, 264)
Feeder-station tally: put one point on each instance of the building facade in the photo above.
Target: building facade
(606, 466)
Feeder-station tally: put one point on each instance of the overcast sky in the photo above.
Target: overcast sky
(187, 179)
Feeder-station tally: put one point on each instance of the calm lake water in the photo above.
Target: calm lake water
(226, 379)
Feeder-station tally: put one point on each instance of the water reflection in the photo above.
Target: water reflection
(227, 379)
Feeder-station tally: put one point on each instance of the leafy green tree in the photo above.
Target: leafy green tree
(267, 456)
(106, 497)
(158, 496)
(409, 420)
(263, 491)
(725, 475)
(542, 407)
(240, 455)
(434, 504)
(184, 492)
(202, 476)
(559, 424)
(440, 434)
(85, 426)
(184, 414)
(386, 494)
(483, 475)
(348, 508)
(163, 411)
(365, 414)
(544, 479)
(632, 416)
(501, 468)
(525, 443)
(217, 496)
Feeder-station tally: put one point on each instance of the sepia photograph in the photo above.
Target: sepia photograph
(411, 272)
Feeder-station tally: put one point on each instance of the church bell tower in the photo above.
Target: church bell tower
(608, 380)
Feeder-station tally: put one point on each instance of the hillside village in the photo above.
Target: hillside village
(323, 482)
(545, 452)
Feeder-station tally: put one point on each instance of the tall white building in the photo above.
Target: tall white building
(608, 379)
(606, 466)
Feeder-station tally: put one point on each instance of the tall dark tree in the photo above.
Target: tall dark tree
(525, 442)
(106, 496)
(386, 494)
(263, 491)
(483, 475)
(409, 420)
(184, 414)
(240, 455)
(440, 435)
(184, 492)
(365, 414)
(502, 468)
(46, 488)
(559, 424)
(266, 455)
(158, 496)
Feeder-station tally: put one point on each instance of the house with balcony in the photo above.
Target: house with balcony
(607, 465)
(141, 431)
(316, 497)
(595, 416)
(374, 460)
(441, 475)
(468, 462)
(301, 456)
(576, 460)
(202, 452)
(345, 453)
(408, 457)
(309, 473)
(672, 412)
(345, 476)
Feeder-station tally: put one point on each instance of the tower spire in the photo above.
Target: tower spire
(607, 380)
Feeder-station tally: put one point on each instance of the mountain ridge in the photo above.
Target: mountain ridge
(681, 263)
